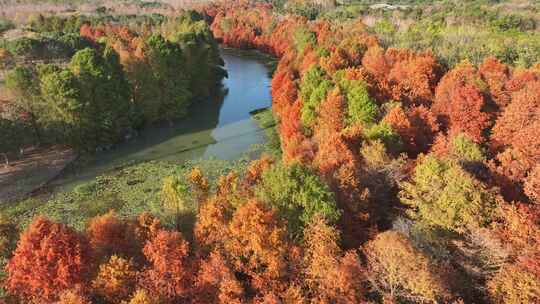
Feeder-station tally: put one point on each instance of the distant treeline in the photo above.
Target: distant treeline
(56, 37)
(453, 30)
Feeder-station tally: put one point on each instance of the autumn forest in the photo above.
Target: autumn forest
(402, 163)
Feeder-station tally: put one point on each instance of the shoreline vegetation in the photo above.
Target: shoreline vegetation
(401, 163)
(43, 187)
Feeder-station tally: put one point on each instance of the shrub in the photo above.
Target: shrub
(8, 236)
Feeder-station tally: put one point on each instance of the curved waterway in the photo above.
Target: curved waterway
(220, 127)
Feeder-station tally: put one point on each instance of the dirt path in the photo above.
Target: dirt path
(30, 173)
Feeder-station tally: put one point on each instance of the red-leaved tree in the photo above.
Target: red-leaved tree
(168, 277)
(216, 282)
(460, 105)
(50, 258)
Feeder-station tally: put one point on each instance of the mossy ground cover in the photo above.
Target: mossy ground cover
(128, 191)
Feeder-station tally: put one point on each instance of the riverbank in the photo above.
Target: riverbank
(34, 170)
(220, 127)
(221, 135)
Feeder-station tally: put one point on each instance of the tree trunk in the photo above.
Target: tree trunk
(6, 159)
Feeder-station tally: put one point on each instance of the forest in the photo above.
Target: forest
(406, 168)
(109, 81)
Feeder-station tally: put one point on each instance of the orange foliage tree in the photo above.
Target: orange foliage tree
(512, 284)
(460, 104)
(518, 118)
(199, 185)
(258, 246)
(212, 220)
(116, 280)
(377, 65)
(296, 146)
(517, 226)
(402, 75)
(496, 75)
(416, 126)
(50, 258)
(331, 275)
(413, 79)
(532, 185)
(465, 115)
(216, 282)
(331, 114)
(73, 297)
(256, 169)
(168, 277)
(284, 90)
(516, 134)
(108, 235)
(142, 297)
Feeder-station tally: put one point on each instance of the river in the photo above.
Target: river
(220, 127)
